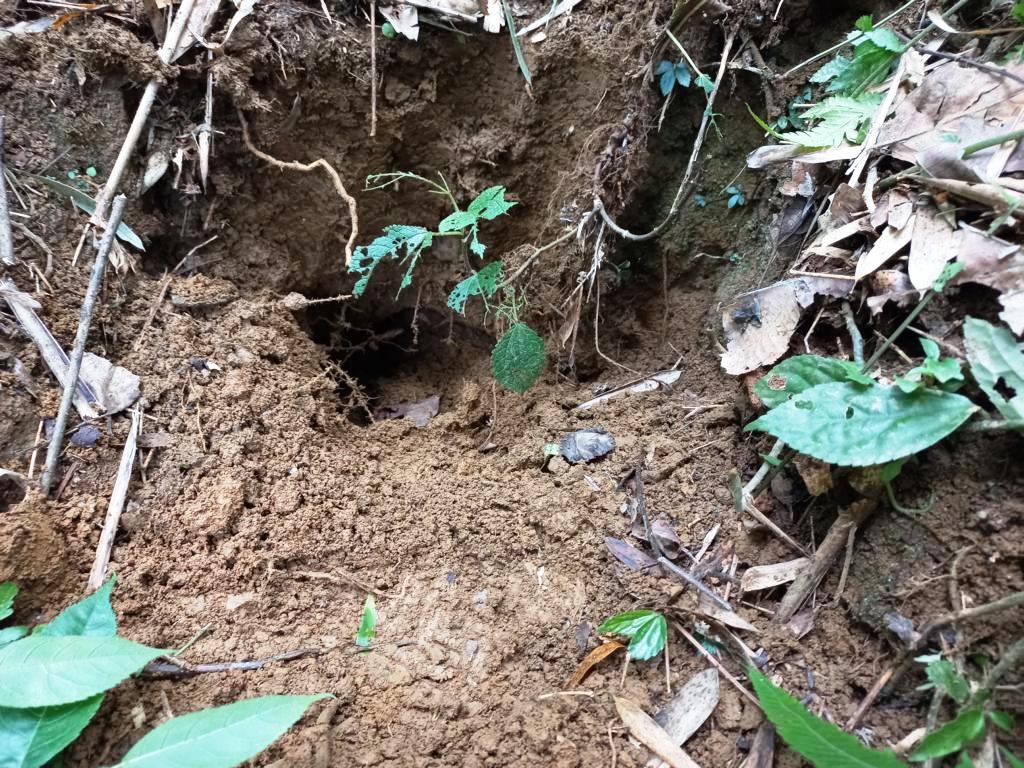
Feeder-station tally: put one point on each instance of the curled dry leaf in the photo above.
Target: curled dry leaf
(418, 413)
(758, 325)
(591, 660)
(890, 285)
(630, 556)
(636, 387)
(689, 709)
(198, 26)
(729, 618)
(761, 577)
(888, 244)
(652, 735)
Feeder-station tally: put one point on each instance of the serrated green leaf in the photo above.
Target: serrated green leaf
(396, 237)
(852, 425)
(705, 83)
(995, 356)
(822, 744)
(870, 66)
(10, 634)
(518, 358)
(1011, 759)
(683, 74)
(840, 118)
(29, 738)
(367, 624)
(491, 203)
(942, 673)
(8, 591)
(885, 39)
(964, 730)
(1002, 720)
(647, 631)
(92, 616)
(484, 282)
(457, 221)
(219, 737)
(793, 376)
(41, 671)
(87, 204)
(831, 70)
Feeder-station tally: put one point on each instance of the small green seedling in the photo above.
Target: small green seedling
(647, 632)
(388, 30)
(736, 196)
(53, 681)
(793, 119)
(822, 744)
(672, 74)
(367, 624)
(943, 372)
(701, 201)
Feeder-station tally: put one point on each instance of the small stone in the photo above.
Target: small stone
(235, 602)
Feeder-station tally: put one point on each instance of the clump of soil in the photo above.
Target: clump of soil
(279, 502)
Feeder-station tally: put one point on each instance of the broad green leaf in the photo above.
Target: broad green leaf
(840, 117)
(367, 624)
(968, 727)
(8, 591)
(457, 221)
(831, 70)
(87, 204)
(705, 83)
(29, 738)
(824, 745)
(995, 356)
(219, 737)
(10, 634)
(646, 630)
(518, 358)
(855, 426)
(666, 72)
(41, 671)
(964, 761)
(92, 616)
(944, 676)
(491, 203)
(870, 66)
(793, 376)
(1002, 720)
(484, 282)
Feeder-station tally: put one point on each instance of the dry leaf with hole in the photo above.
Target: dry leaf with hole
(888, 244)
(761, 577)
(759, 325)
(998, 264)
(592, 659)
(652, 735)
(934, 245)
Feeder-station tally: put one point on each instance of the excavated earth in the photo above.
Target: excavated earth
(275, 503)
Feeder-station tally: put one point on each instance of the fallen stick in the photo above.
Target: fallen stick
(308, 168)
(6, 238)
(171, 666)
(78, 351)
(116, 506)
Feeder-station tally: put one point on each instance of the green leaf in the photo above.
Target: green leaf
(869, 67)
(10, 634)
(30, 738)
(219, 737)
(388, 30)
(92, 616)
(457, 221)
(944, 676)
(968, 727)
(1002, 720)
(646, 630)
(518, 358)
(840, 118)
(995, 356)
(705, 83)
(1012, 760)
(831, 70)
(87, 204)
(964, 761)
(44, 671)
(367, 624)
(510, 24)
(8, 591)
(389, 246)
(855, 426)
(822, 744)
(683, 74)
(793, 376)
(667, 77)
(484, 282)
(491, 203)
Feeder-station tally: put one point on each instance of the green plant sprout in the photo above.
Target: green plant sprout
(53, 680)
(367, 624)
(647, 632)
(793, 119)
(943, 372)
(672, 74)
(736, 196)
(518, 357)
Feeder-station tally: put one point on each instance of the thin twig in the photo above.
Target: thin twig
(75, 361)
(117, 500)
(6, 238)
(855, 337)
(686, 184)
(373, 68)
(164, 285)
(308, 168)
(959, 58)
(716, 664)
(171, 666)
(533, 256)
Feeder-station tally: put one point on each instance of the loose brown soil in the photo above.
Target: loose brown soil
(490, 567)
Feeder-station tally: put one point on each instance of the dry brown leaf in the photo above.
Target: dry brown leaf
(689, 709)
(651, 735)
(998, 264)
(636, 387)
(771, 154)
(198, 26)
(817, 475)
(945, 161)
(846, 204)
(890, 285)
(933, 245)
(729, 618)
(758, 325)
(888, 244)
(767, 576)
(592, 659)
(762, 751)
(856, 227)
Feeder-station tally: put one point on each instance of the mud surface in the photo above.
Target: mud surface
(277, 503)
